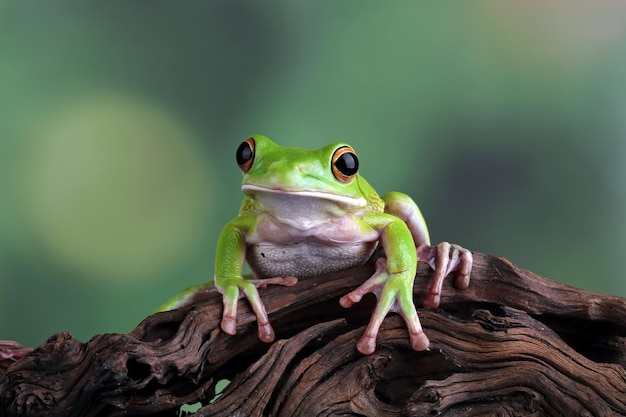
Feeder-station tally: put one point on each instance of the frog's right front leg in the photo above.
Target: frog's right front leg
(231, 251)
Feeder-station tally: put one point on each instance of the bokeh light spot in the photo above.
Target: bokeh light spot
(116, 187)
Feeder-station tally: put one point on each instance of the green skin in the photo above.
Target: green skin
(301, 217)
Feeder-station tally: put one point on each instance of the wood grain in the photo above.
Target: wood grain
(512, 344)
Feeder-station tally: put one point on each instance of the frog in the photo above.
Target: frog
(309, 212)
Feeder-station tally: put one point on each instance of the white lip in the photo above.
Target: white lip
(342, 199)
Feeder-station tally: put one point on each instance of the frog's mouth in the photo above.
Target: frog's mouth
(303, 208)
(341, 200)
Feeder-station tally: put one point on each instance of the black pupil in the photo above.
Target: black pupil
(244, 153)
(347, 164)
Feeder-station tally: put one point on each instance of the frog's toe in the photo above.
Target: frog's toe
(284, 281)
(406, 309)
(373, 285)
(266, 332)
(464, 269)
(432, 299)
(366, 344)
(229, 316)
(350, 299)
(461, 281)
(229, 325)
(419, 341)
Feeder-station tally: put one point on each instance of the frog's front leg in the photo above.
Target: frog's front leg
(443, 258)
(231, 250)
(234, 288)
(392, 283)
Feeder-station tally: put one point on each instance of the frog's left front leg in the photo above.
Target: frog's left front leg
(392, 283)
(443, 258)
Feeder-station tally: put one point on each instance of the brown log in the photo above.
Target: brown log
(511, 344)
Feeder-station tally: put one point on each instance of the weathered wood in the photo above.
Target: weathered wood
(513, 343)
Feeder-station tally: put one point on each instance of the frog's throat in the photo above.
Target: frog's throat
(341, 199)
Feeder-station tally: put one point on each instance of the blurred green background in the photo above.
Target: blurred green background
(506, 121)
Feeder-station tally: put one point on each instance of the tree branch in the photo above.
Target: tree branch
(513, 343)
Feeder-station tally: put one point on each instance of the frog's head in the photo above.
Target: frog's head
(320, 182)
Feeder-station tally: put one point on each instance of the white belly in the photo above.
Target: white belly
(305, 259)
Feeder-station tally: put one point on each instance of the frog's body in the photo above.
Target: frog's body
(301, 234)
(309, 212)
(305, 257)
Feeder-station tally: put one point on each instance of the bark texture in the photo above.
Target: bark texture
(512, 344)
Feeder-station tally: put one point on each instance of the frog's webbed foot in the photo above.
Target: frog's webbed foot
(395, 294)
(444, 259)
(233, 289)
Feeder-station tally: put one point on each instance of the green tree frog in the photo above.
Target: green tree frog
(309, 212)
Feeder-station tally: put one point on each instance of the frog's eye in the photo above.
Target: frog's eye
(245, 155)
(345, 164)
